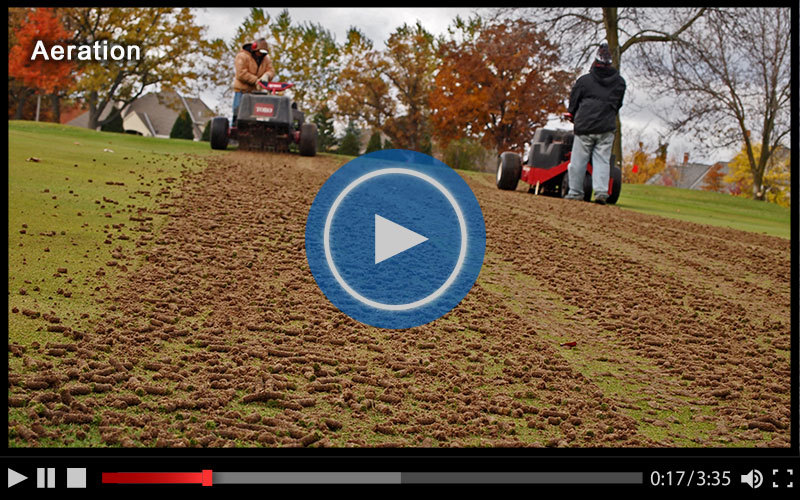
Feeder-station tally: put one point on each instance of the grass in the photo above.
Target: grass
(619, 372)
(46, 198)
(63, 213)
(59, 216)
(701, 207)
(704, 207)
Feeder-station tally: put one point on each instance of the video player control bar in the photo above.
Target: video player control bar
(209, 478)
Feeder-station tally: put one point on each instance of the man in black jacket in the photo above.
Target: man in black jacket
(594, 103)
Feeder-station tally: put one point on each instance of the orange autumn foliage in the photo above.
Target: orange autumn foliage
(47, 76)
(714, 179)
(497, 85)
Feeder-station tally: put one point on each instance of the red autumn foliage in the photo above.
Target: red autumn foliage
(47, 76)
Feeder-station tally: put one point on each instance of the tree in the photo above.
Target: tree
(173, 50)
(374, 143)
(326, 137)
(647, 165)
(466, 154)
(349, 144)
(670, 176)
(18, 93)
(579, 31)
(363, 95)
(714, 179)
(733, 78)
(389, 90)
(306, 55)
(114, 125)
(206, 132)
(496, 85)
(776, 180)
(182, 128)
(411, 62)
(40, 76)
(250, 29)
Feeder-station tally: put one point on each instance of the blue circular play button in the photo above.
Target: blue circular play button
(395, 239)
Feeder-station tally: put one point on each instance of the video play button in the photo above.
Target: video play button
(395, 239)
(14, 477)
(392, 239)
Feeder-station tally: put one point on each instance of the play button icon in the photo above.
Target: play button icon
(392, 238)
(395, 239)
(14, 477)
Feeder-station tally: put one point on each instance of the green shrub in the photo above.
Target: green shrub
(349, 144)
(182, 128)
(466, 154)
(114, 125)
(374, 143)
(326, 137)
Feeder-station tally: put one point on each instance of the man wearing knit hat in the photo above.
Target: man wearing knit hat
(594, 103)
(252, 65)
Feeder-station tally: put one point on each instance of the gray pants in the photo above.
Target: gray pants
(596, 147)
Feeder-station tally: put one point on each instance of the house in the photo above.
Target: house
(686, 175)
(154, 114)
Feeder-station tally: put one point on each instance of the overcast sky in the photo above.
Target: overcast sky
(637, 114)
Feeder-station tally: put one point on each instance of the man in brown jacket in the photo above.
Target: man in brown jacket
(252, 65)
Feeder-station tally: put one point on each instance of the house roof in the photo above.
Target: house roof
(82, 120)
(199, 112)
(159, 111)
(698, 184)
(689, 174)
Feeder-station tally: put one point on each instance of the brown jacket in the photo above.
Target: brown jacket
(248, 73)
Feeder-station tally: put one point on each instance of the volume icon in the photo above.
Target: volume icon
(753, 478)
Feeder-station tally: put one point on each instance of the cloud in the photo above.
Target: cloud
(221, 23)
(377, 23)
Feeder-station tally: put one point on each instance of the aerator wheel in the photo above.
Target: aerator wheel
(219, 132)
(509, 169)
(587, 186)
(616, 184)
(564, 188)
(308, 139)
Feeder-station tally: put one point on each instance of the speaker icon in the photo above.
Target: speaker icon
(753, 478)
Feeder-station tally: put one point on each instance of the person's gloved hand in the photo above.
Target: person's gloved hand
(265, 78)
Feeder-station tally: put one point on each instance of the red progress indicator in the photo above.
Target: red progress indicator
(204, 478)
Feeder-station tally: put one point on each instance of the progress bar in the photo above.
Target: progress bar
(209, 478)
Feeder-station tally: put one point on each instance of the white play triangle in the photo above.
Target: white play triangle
(392, 239)
(14, 477)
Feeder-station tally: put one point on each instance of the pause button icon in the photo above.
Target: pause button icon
(45, 476)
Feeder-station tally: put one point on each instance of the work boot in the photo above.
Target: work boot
(601, 199)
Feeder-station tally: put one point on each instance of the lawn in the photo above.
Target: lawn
(72, 209)
(91, 203)
(704, 207)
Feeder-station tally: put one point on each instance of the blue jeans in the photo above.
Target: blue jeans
(237, 98)
(596, 147)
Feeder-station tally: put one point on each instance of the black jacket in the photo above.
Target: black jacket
(595, 100)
